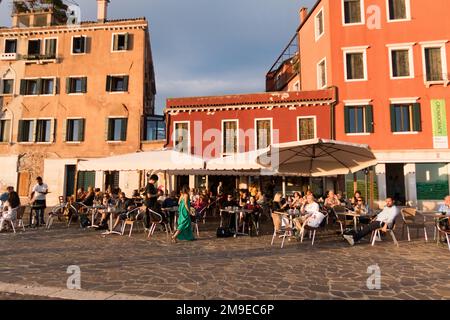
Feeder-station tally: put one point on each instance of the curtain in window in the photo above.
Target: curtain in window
(181, 137)
(306, 129)
(433, 64)
(352, 10)
(263, 134)
(400, 63)
(230, 137)
(355, 66)
(397, 9)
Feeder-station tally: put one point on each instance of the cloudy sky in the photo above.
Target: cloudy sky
(206, 47)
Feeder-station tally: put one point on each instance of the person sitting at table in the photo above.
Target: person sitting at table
(354, 200)
(80, 195)
(331, 200)
(243, 199)
(89, 198)
(10, 208)
(255, 212)
(297, 201)
(107, 203)
(384, 220)
(230, 202)
(444, 209)
(362, 210)
(5, 195)
(279, 203)
(123, 205)
(311, 215)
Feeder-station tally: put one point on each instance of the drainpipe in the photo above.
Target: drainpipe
(333, 112)
(167, 129)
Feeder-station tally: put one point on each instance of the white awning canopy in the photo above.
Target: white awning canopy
(164, 160)
(240, 162)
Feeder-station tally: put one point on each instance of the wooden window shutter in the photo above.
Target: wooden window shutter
(123, 132)
(57, 85)
(393, 126)
(417, 119)
(64, 130)
(108, 128)
(39, 86)
(20, 133)
(83, 44)
(108, 83)
(33, 126)
(115, 42)
(369, 119)
(347, 119)
(52, 130)
(84, 84)
(127, 42)
(126, 80)
(23, 87)
(68, 89)
(81, 130)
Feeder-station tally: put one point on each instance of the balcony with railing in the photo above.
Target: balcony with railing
(286, 67)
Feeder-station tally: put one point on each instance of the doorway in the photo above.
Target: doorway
(69, 188)
(395, 182)
(181, 181)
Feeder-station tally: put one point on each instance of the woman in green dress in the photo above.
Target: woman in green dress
(184, 230)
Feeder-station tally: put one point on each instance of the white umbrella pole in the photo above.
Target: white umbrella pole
(284, 186)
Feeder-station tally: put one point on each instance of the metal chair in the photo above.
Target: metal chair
(131, 220)
(376, 234)
(409, 216)
(18, 221)
(445, 232)
(278, 228)
(157, 219)
(313, 230)
(340, 213)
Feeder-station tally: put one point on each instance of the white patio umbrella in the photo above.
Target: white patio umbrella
(237, 164)
(318, 158)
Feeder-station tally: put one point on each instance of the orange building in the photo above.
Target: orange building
(73, 91)
(389, 60)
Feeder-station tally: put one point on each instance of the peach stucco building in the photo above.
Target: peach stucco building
(69, 92)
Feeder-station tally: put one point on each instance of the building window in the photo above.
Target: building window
(5, 129)
(398, 10)
(112, 179)
(121, 42)
(353, 11)
(355, 61)
(263, 133)
(75, 130)
(322, 74)
(79, 45)
(358, 119)
(117, 129)
(86, 179)
(50, 48)
(181, 137)
(319, 22)
(401, 61)
(11, 46)
(47, 86)
(406, 117)
(432, 181)
(229, 137)
(43, 130)
(76, 85)
(26, 131)
(154, 129)
(117, 83)
(29, 87)
(306, 128)
(7, 86)
(34, 47)
(435, 64)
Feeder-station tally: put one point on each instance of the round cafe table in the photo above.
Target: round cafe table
(438, 216)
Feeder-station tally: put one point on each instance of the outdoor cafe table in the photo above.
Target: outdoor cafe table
(437, 217)
(111, 211)
(237, 212)
(355, 217)
(174, 211)
(94, 211)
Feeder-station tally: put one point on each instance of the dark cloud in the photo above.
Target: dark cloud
(207, 47)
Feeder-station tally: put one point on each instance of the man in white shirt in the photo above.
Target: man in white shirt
(385, 219)
(39, 194)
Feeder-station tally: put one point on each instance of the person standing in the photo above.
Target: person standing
(184, 230)
(38, 196)
(151, 197)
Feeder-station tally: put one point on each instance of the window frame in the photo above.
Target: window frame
(222, 138)
(118, 76)
(53, 87)
(119, 34)
(126, 133)
(52, 130)
(359, 103)
(408, 12)
(359, 49)
(157, 120)
(319, 75)
(363, 15)
(56, 47)
(76, 93)
(40, 46)
(9, 39)
(316, 27)
(397, 47)
(298, 126)
(409, 101)
(2, 87)
(8, 135)
(66, 140)
(33, 132)
(175, 132)
(442, 44)
(85, 45)
(256, 131)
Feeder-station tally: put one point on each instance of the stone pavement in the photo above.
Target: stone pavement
(232, 268)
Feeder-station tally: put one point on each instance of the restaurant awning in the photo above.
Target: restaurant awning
(240, 163)
(163, 160)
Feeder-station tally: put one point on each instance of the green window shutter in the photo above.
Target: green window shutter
(82, 128)
(123, 132)
(108, 83)
(393, 128)
(53, 130)
(347, 119)
(126, 80)
(39, 86)
(34, 129)
(64, 130)
(67, 85)
(115, 42)
(56, 85)
(369, 119)
(84, 84)
(108, 129)
(20, 133)
(417, 119)
(83, 45)
(23, 87)
(127, 37)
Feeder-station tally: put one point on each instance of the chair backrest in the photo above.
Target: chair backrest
(276, 218)
(408, 214)
(155, 216)
(20, 212)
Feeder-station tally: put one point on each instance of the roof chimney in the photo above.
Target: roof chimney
(102, 10)
(303, 14)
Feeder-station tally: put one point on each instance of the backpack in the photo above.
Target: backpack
(223, 232)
